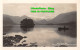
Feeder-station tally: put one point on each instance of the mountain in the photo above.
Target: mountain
(64, 18)
(43, 21)
(7, 19)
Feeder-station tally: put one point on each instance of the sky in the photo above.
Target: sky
(21, 9)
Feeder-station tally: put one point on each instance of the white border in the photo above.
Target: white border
(41, 48)
(39, 1)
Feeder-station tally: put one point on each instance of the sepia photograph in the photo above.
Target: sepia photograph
(39, 25)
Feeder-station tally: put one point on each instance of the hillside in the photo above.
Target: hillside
(64, 18)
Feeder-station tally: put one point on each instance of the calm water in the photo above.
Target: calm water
(44, 35)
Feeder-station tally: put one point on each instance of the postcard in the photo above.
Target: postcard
(39, 24)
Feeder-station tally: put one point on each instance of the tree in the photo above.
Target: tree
(27, 23)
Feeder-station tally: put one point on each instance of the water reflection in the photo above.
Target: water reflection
(26, 29)
(7, 29)
(67, 30)
(63, 28)
(16, 29)
(27, 24)
(44, 35)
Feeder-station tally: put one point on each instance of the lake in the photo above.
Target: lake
(43, 35)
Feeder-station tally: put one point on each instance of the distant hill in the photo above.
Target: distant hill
(64, 18)
(7, 19)
(41, 22)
